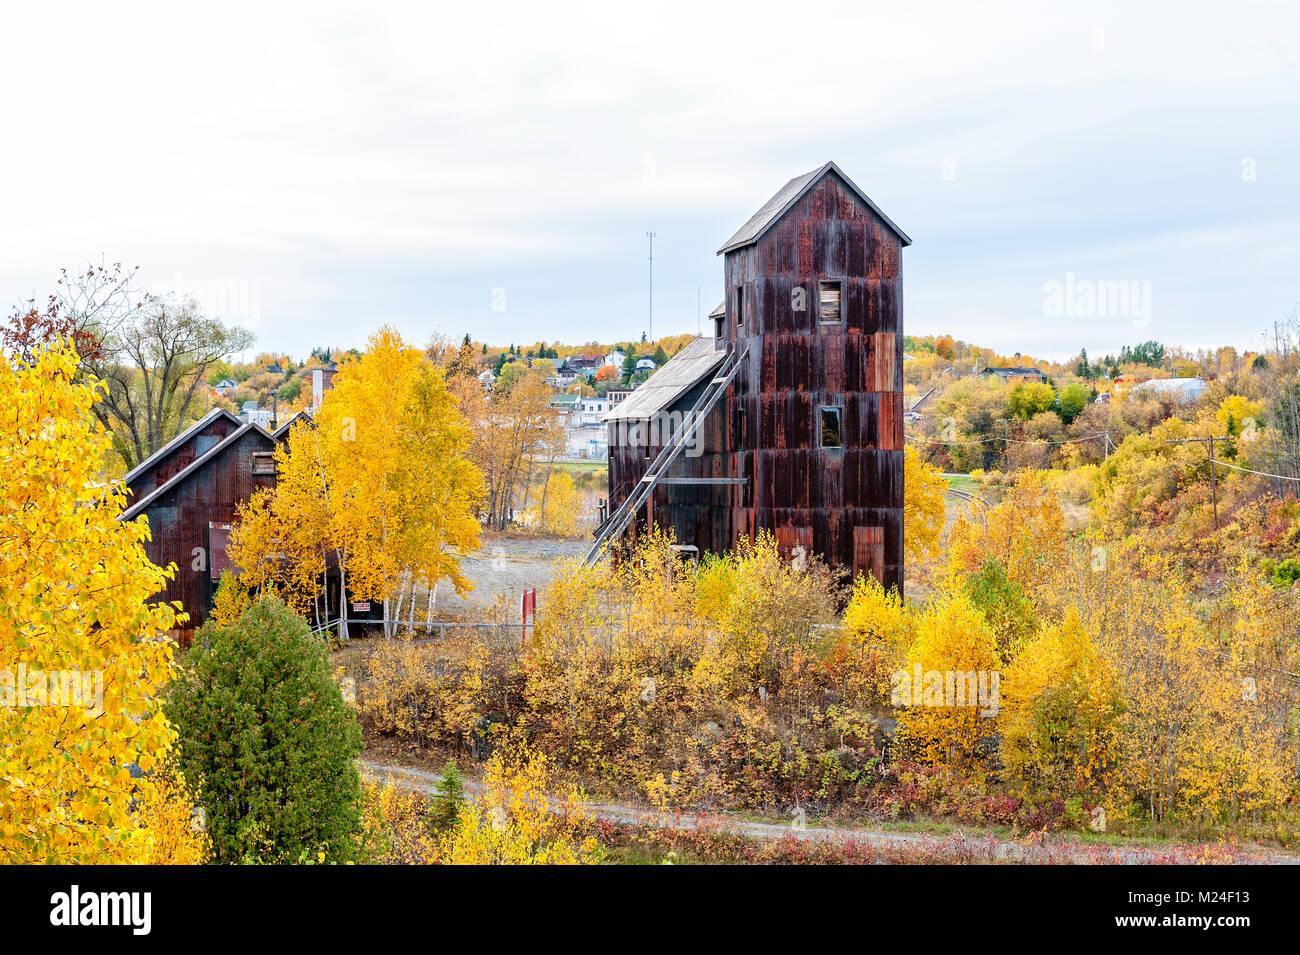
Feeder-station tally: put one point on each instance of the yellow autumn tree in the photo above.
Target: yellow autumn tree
(557, 505)
(1025, 533)
(1060, 713)
(515, 435)
(377, 486)
(947, 694)
(923, 491)
(84, 651)
(877, 632)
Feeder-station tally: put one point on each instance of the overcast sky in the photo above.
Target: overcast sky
(315, 172)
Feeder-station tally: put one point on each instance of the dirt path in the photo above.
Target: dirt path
(983, 848)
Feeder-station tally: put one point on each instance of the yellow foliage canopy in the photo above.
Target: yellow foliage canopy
(75, 621)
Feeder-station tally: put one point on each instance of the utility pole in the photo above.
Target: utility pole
(698, 291)
(1214, 490)
(651, 237)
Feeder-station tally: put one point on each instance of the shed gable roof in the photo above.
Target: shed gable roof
(791, 193)
(138, 508)
(176, 443)
(679, 375)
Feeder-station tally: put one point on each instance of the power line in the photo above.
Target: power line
(1280, 477)
(995, 439)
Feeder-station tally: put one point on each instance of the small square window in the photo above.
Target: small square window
(829, 303)
(832, 435)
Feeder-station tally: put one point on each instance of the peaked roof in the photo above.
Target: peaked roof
(720, 311)
(283, 430)
(136, 509)
(679, 375)
(787, 196)
(177, 441)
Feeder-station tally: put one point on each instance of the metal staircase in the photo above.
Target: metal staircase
(618, 521)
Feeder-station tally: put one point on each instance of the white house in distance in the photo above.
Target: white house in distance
(592, 410)
(1184, 389)
(252, 414)
(615, 358)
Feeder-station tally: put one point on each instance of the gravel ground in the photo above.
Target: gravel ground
(507, 566)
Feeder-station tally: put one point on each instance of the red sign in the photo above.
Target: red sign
(362, 606)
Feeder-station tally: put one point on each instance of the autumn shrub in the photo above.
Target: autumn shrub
(429, 693)
(947, 692)
(396, 825)
(1060, 718)
(518, 821)
(726, 684)
(264, 726)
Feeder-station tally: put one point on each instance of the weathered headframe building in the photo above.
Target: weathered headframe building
(790, 419)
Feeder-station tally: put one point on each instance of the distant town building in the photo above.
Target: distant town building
(586, 442)
(617, 395)
(252, 414)
(615, 358)
(593, 409)
(646, 364)
(568, 408)
(1183, 389)
(1013, 375)
(583, 364)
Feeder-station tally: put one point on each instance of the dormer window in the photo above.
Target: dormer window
(830, 302)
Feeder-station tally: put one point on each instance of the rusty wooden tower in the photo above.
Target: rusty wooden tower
(790, 419)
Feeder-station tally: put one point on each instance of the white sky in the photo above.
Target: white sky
(316, 171)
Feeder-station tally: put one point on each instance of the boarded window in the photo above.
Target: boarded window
(829, 299)
(218, 560)
(832, 434)
(869, 552)
(740, 306)
(264, 462)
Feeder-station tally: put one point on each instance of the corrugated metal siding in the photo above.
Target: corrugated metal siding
(154, 474)
(178, 520)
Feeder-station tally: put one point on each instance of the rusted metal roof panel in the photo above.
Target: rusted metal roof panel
(791, 193)
(683, 372)
(180, 451)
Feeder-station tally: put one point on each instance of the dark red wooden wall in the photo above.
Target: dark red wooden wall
(178, 520)
(845, 504)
